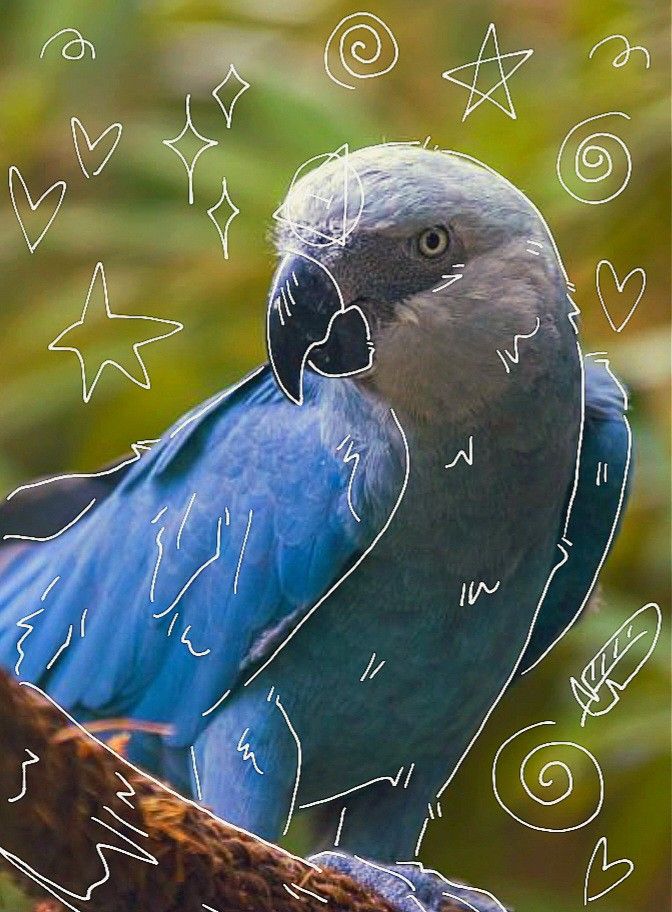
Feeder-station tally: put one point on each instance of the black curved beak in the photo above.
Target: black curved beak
(309, 323)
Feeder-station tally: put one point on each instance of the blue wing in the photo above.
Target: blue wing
(210, 549)
(599, 500)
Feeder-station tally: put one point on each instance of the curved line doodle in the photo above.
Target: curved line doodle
(591, 156)
(546, 782)
(369, 27)
(78, 40)
(623, 56)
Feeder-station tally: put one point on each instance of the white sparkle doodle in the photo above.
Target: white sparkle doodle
(452, 277)
(519, 56)
(79, 41)
(59, 186)
(623, 56)
(32, 758)
(77, 127)
(360, 39)
(620, 288)
(546, 781)
(354, 458)
(467, 455)
(206, 143)
(514, 356)
(472, 594)
(236, 81)
(233, 211)
(592, 160)
(599, 689)
(624, 866)
(244, 748)
(143, 382)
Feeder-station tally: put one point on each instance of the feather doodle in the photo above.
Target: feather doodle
(599, 688)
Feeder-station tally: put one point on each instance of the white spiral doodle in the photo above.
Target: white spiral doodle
(593, 161)
(361, 42)
(547, 777)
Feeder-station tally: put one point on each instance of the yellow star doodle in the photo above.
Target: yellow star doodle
(60, 343)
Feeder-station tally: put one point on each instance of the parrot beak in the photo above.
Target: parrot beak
(308, 323)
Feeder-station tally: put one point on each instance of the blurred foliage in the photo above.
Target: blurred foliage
(163, 258)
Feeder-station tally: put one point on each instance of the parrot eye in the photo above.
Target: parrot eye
(432, 242)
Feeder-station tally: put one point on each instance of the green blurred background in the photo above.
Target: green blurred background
(163, 258)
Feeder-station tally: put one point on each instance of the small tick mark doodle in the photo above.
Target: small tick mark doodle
(59, 185)
(503, 82)
(534, 244)
(601, 475)
(354, 459)
(341, 212)
(367, 671)
(236, 81)
(514, 356)
(365, 50)
(620, 287)
(599, 689)
(622, 58)
(624, 866)
(57, 343)
(451, 276)
(78, 40)
(244, 748)
(545, 781)
(472, 595)
(468, 455)
(76, 125)
(205, 144)
(590, 156)
(33, 758)
(233, 211)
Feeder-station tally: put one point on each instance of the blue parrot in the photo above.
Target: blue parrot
(323, 579)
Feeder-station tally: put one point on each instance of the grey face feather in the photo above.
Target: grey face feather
(436, 348)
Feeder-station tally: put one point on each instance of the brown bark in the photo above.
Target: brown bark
(192, 860)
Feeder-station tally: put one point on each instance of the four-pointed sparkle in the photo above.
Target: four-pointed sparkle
(236, 80)
(233, 212)
(173, 144)
(63, 343)
(519, 56)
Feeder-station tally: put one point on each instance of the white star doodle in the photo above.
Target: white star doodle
(237, 79)
(88, 387)
(233, 212)
(172, 144)
(497, 58)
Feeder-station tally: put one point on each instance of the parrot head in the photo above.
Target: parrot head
(417, 273)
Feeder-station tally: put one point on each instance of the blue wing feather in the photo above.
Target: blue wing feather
(157, 631)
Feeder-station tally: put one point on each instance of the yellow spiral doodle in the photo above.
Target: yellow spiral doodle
(552, 773)
(360, 47)
(593, 162)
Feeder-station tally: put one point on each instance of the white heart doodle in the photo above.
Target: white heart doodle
(622, 863)
(15, 173)
(76, 124)
(620, 287)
